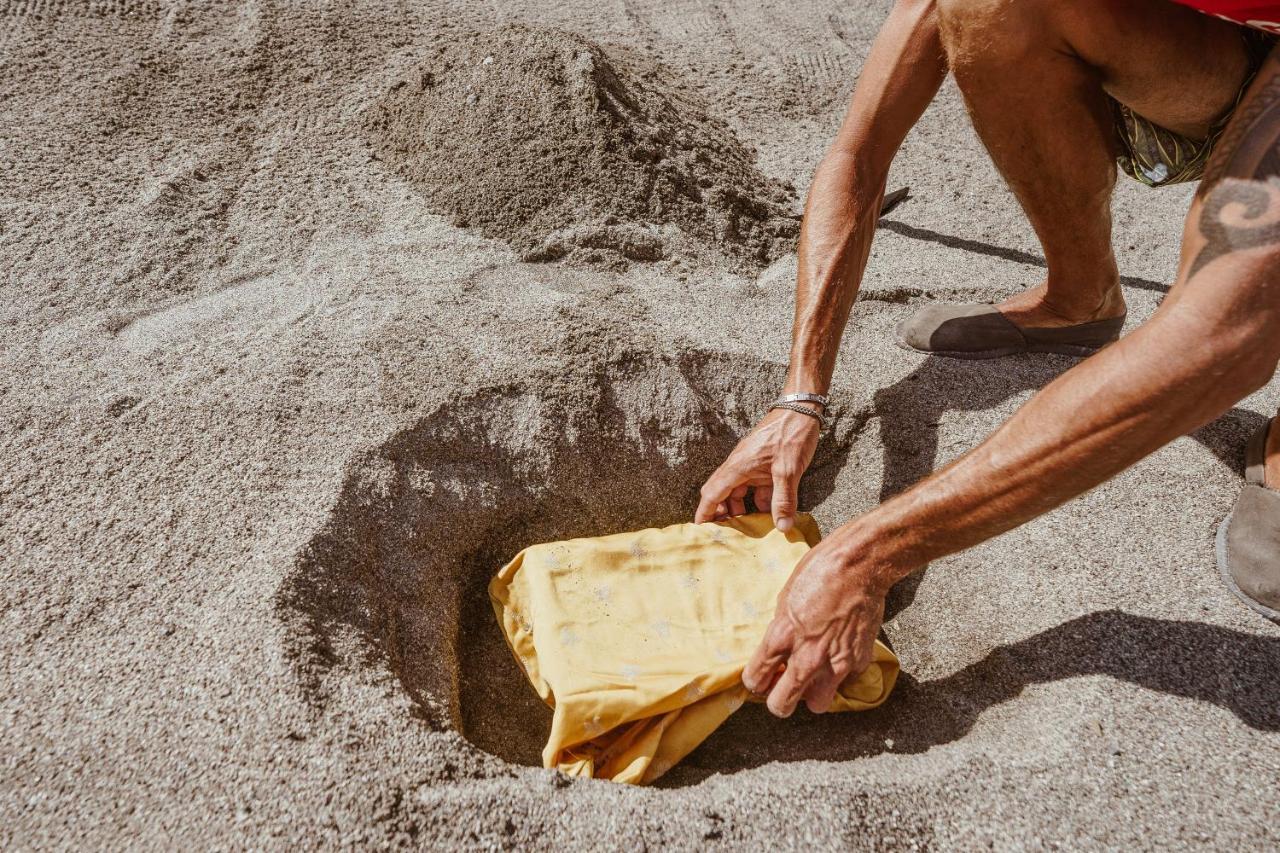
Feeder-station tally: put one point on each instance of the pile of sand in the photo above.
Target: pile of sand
(550, 142)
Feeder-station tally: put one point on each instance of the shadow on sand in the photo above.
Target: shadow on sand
(910, 411)
(1235, 671)
(990, 250)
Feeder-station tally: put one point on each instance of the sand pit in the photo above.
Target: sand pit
(426, 520)
(563, 148)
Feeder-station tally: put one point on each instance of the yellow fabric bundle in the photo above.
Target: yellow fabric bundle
(638, 640)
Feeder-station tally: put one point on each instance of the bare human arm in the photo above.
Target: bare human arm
(902, 75)
(1215, 340)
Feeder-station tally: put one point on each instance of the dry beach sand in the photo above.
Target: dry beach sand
(279, 394)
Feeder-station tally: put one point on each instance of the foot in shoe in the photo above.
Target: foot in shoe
(1035, 308)
(1249, 538)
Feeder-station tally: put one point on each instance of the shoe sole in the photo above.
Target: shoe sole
(983, 355)
(1224, 568)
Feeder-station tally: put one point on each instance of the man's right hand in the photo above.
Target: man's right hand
(770, 460)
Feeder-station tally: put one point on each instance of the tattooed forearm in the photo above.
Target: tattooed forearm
(1238, 215)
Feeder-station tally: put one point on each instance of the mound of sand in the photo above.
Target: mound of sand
(559, 147)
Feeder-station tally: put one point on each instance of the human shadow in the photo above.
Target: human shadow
(1004, 253)
(910, 411)
(1235, 671)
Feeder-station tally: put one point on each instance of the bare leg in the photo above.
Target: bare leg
(1035, 75)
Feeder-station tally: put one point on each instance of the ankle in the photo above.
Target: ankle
(1046, 305)
(1079, 304)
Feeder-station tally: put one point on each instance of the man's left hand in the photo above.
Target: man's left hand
(824, 631)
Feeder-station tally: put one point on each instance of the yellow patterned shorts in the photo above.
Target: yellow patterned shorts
(1158, 157)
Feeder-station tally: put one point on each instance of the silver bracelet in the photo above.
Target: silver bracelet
(821, 399)
(804, 410)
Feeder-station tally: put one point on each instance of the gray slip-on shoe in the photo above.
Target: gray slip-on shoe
(1249, 538)
(979, 331)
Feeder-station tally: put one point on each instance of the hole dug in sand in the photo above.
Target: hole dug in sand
(425, 521)
(566, 149)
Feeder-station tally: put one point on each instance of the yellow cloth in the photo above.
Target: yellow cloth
(638, 640)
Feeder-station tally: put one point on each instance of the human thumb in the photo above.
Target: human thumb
(784, 501)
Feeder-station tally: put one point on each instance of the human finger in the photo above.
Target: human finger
(786, 692)
(737, 500)
(759, 673)
(822, 690)
(715, 492)
(803, 665)
(762, 497)
(783, 502)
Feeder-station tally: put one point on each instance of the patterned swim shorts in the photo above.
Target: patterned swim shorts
(1158, 157)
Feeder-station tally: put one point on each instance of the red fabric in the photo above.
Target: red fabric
(1264, 16)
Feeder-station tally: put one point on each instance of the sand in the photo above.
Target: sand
(558, 146)
(273, 414)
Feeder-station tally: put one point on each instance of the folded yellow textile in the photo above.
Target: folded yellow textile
(638, 640)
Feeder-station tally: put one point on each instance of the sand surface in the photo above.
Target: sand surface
(278, 395)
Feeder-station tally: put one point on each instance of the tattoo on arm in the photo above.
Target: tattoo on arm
(1238, 215)
(1241, 188)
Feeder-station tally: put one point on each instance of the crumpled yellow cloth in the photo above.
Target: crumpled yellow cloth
(638, 640)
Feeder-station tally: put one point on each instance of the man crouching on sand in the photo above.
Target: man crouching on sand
(1059, 93)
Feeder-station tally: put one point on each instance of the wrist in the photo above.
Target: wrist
(808, 404)
(808, 411)
(807, 398)
(875, 555)
(802, 381)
